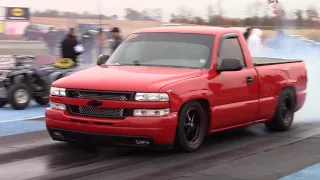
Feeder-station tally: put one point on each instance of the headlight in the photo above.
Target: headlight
(151, 112)
(58, 106)
(151, 97)
(54, 91)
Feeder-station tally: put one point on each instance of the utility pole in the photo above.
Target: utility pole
(219, 7)
(99, 3)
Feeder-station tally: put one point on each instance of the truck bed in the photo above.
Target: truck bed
(263, 61)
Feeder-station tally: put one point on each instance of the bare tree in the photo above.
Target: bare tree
(210, 12)
(249, 10)
(257, 8)
(185, 14)
(298, 18)
(312, 16)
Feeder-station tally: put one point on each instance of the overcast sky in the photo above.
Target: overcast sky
(233, 8)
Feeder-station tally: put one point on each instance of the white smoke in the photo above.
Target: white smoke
(310, 54)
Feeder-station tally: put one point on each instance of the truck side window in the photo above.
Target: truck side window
(231, 49)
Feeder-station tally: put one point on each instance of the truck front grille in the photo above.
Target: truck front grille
(97, 112)
(101, 95)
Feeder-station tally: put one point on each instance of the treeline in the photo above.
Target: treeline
(130, 14)
(71, 15)
(258, 15)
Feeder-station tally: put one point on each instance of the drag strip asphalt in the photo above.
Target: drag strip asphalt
(244, 153)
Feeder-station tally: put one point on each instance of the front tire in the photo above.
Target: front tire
(284, 114)
(191, 128)
(19, 96)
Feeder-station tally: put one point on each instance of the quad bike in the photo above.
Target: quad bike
(23, 81)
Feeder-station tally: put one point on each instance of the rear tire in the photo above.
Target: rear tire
(3, 102)
(19, 96)
(192, 126)
(42, 100)
(284, 114)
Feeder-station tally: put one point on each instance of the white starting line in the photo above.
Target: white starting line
(25, 119)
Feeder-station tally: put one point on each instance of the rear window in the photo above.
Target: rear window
(165, 49)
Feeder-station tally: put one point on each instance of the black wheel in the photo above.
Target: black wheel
(42, 100)
(284, 114)
(19, 96)
(3, 102)
(191, 128)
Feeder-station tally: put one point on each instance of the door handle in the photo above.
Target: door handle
(249, 80)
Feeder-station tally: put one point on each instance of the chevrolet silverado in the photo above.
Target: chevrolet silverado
(171, 86)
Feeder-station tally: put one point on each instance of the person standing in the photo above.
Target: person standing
(117, 38)
(69, 47)
(51, 39)
(247, 33)
(87, 42)
(255, 42)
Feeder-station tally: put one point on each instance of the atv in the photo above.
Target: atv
(21, 80)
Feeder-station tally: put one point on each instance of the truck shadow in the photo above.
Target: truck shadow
(77, 155)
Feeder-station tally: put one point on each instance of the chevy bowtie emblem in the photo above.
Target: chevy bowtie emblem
(95, 103)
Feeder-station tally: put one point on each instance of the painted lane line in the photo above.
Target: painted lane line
(309, 173)
(25, 119)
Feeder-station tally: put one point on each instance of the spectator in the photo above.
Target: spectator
(255, 42)
(247, 33)
(51, 39)
(69, 46)
(117, 38)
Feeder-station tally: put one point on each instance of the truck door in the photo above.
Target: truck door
(236, 93)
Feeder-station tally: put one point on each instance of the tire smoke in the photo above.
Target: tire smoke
(295, 47)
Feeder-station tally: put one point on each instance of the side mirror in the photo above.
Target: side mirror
(230, 65)
(102, 59)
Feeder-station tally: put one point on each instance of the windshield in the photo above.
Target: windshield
(43, 27)
(165, 49)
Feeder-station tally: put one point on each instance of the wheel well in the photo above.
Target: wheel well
(206, 107)
(19, 78)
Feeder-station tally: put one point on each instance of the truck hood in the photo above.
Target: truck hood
(126, 78)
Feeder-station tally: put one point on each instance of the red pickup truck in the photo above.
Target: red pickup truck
(171, 86)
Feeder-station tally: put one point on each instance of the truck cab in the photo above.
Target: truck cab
(171, 86)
